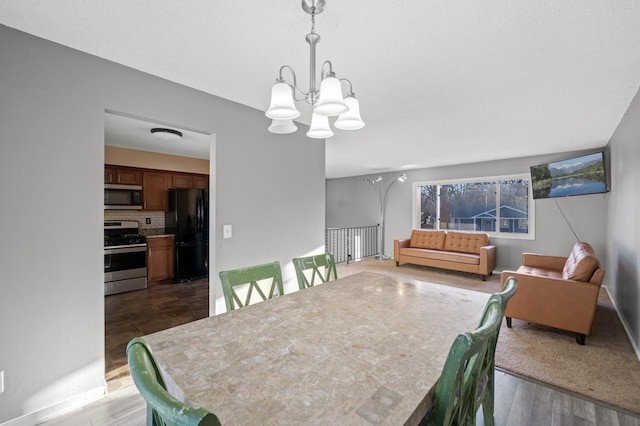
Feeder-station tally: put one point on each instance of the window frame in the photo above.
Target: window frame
(495, 234)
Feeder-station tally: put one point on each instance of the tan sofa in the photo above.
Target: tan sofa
(454, 250)
(556, 291)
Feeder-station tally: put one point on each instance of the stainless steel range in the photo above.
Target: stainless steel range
(125, 257)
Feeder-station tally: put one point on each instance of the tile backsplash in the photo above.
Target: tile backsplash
(157, 218)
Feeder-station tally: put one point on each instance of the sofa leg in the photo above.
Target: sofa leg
(580, 338)
(508, 321)
(397, 264)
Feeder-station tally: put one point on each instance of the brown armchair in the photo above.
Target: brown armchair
(555, 291)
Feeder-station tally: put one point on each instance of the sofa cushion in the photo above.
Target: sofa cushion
(465, 242)
(581, 263)
(446, 256)
(539, 272)
(427, 239)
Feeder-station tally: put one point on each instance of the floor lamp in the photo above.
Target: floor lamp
(382, 198)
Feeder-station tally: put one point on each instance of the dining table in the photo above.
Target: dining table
(363, 349)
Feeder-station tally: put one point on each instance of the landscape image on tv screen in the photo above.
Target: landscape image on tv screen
(575, 176)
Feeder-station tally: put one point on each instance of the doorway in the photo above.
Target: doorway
(129, 143)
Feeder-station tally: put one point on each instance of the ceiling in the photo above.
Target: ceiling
(132, 132)
(439, 82)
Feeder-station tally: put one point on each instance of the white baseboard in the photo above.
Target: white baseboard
(59, 409)
(624, 323)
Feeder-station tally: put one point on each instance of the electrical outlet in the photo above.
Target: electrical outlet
(2, 381)
(148, 221)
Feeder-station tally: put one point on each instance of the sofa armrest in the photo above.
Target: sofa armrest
(534, 260)
(597, 276)
(397, 245)
(487, 259)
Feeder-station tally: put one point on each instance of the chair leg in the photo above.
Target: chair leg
(487, 414)
(580, 338)
(508, 321)
(150, 421)
(487, 399)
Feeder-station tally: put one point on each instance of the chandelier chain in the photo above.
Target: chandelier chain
(313, 20)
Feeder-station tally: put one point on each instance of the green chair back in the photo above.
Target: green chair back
(267, 276)
(462, 385)
(325, 261)
(508, 290)
(162, 408)
(487, 398)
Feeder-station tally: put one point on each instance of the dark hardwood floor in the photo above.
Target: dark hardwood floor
(136, 313)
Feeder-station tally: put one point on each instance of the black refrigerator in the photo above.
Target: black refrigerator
(188, 220)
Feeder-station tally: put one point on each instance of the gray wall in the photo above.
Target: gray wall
(623, 221)
(352, 202)
(52, 101)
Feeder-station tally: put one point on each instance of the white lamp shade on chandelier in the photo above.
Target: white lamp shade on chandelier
(350, 120)
(320, 128)
(282, 127)
(326, 102)
(330, 101)
(282, 105)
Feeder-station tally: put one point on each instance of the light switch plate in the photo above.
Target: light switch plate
(1, 381)
(226, 231)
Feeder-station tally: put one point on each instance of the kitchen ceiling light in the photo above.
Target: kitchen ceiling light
(325, 102)
(166, 134)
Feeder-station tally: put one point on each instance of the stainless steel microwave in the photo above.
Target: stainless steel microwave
(122, 197)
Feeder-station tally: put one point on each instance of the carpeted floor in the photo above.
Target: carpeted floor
(605, 369)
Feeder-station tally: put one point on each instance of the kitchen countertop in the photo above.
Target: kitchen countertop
(154, 232)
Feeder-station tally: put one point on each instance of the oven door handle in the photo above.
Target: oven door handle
(135, 248)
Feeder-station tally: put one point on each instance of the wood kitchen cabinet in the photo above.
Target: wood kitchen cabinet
(155, 183)
(155, 190)
(122, 175)
(201, 181)
(189, 180)
(159, 260)
(182, 181)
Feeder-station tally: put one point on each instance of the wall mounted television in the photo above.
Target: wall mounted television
(581, 175)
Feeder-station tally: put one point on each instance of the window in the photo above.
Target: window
(496, 205)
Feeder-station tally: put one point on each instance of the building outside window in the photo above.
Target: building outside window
(499, 206)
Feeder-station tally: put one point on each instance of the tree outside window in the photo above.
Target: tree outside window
(492, 205)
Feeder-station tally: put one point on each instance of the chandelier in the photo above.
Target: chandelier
(325, 102)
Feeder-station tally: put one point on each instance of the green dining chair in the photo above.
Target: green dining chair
(508, 290)
(252, 278)
(162, 408)
(488, 394)
(461, 389)
(324, 261)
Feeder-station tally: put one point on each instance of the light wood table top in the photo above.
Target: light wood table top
(365, 349)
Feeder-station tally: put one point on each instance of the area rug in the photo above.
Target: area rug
(606, 369)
